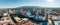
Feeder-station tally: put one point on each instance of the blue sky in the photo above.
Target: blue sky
(19, 3)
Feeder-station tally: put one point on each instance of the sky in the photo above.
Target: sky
(19, 3)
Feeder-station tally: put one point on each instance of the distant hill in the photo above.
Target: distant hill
(36, 7)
